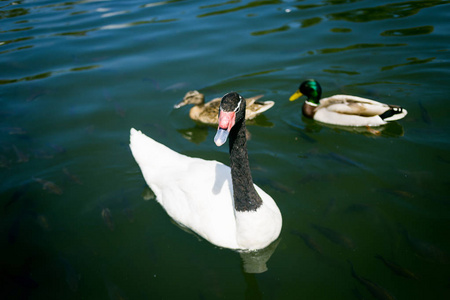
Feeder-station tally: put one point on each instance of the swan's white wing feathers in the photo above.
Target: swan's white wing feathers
(182, 184)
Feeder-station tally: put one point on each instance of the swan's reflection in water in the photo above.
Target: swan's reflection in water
(255, 262)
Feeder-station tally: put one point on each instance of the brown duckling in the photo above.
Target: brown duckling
(208, 112)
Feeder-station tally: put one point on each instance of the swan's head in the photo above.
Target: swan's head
(191, 97)
(311, 89)
(232, 109)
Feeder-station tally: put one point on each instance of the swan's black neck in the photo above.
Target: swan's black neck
(245, 196)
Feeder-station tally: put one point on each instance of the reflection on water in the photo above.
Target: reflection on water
(411, 61)
(341, 72)
(255, 262)
(48, 74)
(248, 6)
(388, 11)
(358, 46)
(138, 23)
(302, 24)
(274, 30)
(195, 134)
(409, 31)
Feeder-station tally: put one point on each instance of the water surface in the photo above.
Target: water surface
(77, 218)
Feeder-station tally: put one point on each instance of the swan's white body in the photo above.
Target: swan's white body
(198, 194)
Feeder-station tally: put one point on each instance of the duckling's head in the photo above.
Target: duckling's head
(191, 97)
(311, 89)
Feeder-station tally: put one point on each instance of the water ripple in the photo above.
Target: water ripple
(409, 31)
(411, 61)
(76, 75)
(388, 11)
(358, 46)
(238, 8)
(47, 74)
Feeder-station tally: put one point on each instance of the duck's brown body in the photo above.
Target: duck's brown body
(207, 112)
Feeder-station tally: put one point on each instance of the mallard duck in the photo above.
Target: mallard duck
(219, 203)
(207, 113)
(345, 110)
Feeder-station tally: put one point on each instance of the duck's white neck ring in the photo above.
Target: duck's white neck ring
(311, 103)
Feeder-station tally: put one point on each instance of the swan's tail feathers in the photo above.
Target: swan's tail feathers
(133, 134)
(148, 152)
(138, 140)
(140, 145)
(394, 113)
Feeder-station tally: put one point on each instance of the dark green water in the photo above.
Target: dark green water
(75, 76)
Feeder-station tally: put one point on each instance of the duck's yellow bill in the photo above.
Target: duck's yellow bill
(296, 95)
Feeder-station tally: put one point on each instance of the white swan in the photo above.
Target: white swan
(219, 203)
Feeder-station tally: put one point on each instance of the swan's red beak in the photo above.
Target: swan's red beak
(226, 122)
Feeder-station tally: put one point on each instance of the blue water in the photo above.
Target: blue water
(77, 219)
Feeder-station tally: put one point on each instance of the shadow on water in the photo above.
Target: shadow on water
(196, 134)
(391, 129)
(310, 127)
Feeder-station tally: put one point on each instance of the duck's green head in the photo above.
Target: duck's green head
(311, 89)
